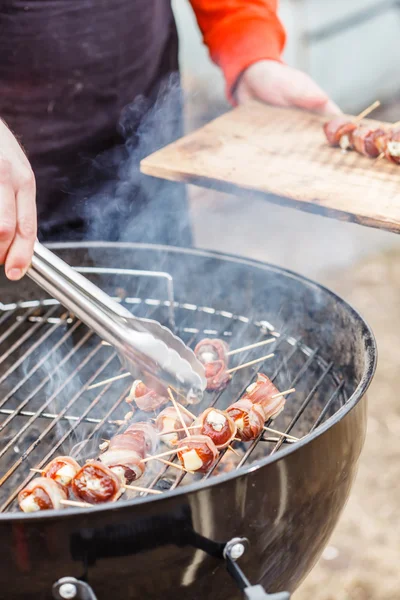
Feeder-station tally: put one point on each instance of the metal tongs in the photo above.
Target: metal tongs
(144, 346)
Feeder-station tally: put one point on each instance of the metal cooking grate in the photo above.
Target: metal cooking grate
(48, 359)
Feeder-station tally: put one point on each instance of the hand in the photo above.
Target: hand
(17, 206)
(280, 85)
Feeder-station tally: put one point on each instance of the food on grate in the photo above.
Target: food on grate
(217, 375)
(248, 417)
(146, 433)
(124, 457)
(364, 140)
(214, 356)
(217, 425)
(62, 469)
(197, 453)
(145, 398)
(210, 350)
(168, 421)
(96, 483)
(267, 395)
(41, 493)
(339, 131)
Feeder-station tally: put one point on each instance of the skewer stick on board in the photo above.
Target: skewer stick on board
(252, 362)
(110, 380)
(233, 450)
(182, 420)
(251, 346)
(367, 111)
(136, 488)
(168, 453)
(37, 470)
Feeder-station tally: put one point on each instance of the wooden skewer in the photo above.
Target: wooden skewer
(233, 450)
(285, 393)
(136, 488)
(179, 430)
(37, 470)
(76, 503)
(252, 362)
(110, 380)
(251, 346)
(290, 437)
(367, 111)
(182, 420)
(104, 343)
(168, 453)
(175, 465)
(190, 414)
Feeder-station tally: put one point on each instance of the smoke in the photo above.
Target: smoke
(130, 206)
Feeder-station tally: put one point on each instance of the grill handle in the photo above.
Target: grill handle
(142, 344)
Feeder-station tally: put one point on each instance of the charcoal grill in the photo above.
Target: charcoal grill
(273, 507)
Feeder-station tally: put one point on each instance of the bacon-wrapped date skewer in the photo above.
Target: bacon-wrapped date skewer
(210, 350)
(364, 140)
(145, 398)
(248, 417)
(198, 453)
(389, 145)
(217, 375)
(217, 425)
(62, 469)
(42, 493)
(262, 392)
(145, 433)
(213, 355)
(167, 421)
(96, 483)
(339, 132)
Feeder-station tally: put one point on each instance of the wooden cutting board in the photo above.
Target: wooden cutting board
(283, 155)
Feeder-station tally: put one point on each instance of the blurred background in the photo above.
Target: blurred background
(349, 48)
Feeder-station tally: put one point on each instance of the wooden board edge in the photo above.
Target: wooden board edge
(303, 205)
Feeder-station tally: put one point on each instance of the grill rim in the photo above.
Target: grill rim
(370, 359)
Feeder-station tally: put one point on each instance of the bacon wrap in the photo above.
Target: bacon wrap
(217, 425)
(62, 469)
(216, 375)
(248, 418)
(44, 494)
(337, 128)
(200, 453)
(146, 399)
(364, 139)
(209, 351)
(125, 454)
(146, 433)
(261, 392)
(391, 139)
(168, 420)
(96, 483)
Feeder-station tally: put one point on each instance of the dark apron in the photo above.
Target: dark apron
(89, 87)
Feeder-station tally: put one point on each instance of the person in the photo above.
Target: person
(79, 79)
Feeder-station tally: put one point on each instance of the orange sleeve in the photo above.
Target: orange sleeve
(239, 33)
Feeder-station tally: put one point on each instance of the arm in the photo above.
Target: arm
(246, 39)
(17, 206)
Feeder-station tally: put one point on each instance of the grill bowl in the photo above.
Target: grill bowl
(285, 499)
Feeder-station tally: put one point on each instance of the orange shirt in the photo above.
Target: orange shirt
(239, 33)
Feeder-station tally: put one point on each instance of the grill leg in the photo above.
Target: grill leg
(232, 552)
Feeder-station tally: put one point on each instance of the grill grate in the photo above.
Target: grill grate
(48, 359)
